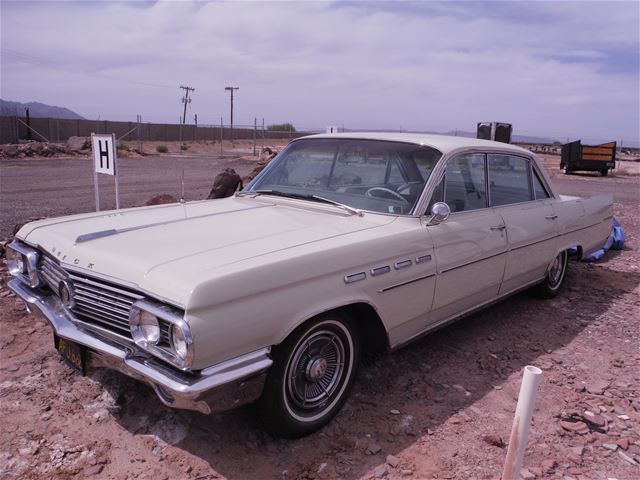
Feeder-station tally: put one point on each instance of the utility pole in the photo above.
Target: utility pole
(231, 89)
(186, 100)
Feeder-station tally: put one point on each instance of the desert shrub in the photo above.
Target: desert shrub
(281, 127)
(184, 146)
(121, 146)
(162, 149)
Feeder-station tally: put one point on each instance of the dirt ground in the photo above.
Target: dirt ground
(440, 408)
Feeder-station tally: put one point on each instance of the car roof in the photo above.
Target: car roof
(443, 143)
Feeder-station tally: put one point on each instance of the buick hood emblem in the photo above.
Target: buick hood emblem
(66, 292)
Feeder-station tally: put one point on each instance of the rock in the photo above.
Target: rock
(579, 450)
(597, 387)
(393, 461)
(610, 446)
(93, 470)
(381, 471)
(394, 412)
(574, 471)
(101, 414)
(593, 418)
(526, 474)
(406, 473)
(537, 471)
(623, 443)
(575, 427)
(160, 200)
(225, 184)
(76, 144)
(623, 417)
(373, 448)
(626, 458)
(494, 440)
(548, 465)
(10, 151)
(322, 467)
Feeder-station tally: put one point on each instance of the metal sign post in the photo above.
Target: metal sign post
(104, 161)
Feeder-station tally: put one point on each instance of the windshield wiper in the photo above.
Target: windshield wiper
(353, 211)
(304, 196)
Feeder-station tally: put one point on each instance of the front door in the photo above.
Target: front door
(470, 247)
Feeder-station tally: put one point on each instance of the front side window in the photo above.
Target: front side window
(378, 176)
(508, 179)
(464, 183)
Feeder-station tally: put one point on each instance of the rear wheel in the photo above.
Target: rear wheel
(313, 372)
(554, 279)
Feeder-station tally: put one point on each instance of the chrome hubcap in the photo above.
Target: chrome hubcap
(316, 369)
(555, 272)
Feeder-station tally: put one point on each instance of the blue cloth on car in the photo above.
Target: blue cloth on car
(614, 242)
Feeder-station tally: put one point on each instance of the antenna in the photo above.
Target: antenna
(182, 200)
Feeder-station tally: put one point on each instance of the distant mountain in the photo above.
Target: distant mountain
(36, 109)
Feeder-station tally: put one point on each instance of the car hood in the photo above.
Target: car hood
(166, 250)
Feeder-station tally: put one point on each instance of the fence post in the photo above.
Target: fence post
(255, 134)
(221, 135)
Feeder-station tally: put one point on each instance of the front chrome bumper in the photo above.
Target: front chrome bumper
(217, 388)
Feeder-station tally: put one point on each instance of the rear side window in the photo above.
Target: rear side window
(508, 179)
(538, 187)
(464, 184)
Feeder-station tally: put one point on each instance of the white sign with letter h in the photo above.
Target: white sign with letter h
(104, 161)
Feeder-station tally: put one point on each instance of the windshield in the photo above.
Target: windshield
(378, 176)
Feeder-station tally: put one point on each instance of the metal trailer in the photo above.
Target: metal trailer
(497, 131)
(589, 158)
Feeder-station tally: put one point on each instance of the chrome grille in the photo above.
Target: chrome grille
(52, 273)
(97, 302)
(103, 304)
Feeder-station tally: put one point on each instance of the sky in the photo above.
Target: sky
(556, 69)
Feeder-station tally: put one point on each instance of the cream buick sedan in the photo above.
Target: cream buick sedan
(345, 243)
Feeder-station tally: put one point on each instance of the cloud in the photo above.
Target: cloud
(567, 68)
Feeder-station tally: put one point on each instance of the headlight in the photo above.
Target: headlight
(22, 262)
(179, 341)
(15, 263)
(149, 327)
(161, 330)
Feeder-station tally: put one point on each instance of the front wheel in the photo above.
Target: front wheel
(313, 372)
(554, 279)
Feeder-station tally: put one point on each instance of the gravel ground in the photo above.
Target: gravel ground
(440, 408)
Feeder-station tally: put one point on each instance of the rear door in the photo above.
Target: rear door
(518, 195)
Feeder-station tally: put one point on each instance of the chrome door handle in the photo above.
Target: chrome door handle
(498, 227)
(551, 217)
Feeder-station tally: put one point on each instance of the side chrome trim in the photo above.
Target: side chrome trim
(474, 261)
(423, 258)
(391, 287)
(402, 264)
(355, 277)
(380, 270)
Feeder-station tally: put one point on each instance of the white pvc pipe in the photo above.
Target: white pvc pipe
(520, 430)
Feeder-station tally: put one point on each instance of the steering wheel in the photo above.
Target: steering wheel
(369, 193)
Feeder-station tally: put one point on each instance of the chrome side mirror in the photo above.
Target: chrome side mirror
(440, 211)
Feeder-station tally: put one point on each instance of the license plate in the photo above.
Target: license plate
(72, 353)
